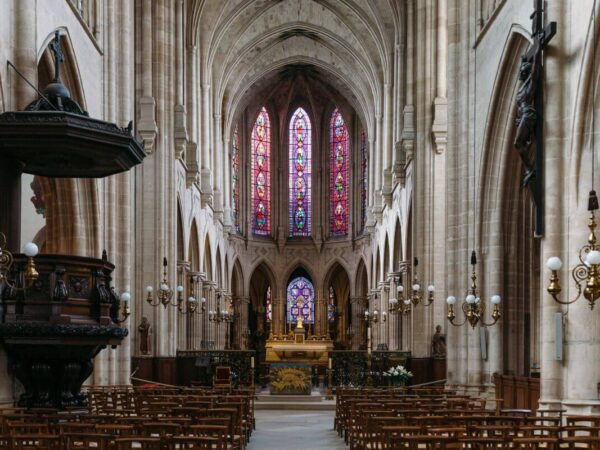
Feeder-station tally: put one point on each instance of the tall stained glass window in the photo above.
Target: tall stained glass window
(261, 175)
(268, 306)
(364, 177)
(338, 178)
(300, 175)
(300, 300)
(235, 179)
(331, 305)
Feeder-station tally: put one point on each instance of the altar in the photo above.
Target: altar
(298, 347)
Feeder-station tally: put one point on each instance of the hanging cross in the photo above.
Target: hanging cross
(530, 111)
(59, 56)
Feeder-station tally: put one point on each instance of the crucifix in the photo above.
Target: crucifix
(59, 56)
(530, 112)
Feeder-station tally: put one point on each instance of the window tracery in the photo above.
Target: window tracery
(261, 175)
(299, 214)
(338, 175)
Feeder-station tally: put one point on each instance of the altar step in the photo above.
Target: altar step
(314, 402)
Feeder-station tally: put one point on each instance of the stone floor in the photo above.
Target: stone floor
(295, 430)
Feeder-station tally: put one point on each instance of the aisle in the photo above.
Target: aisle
(295, 430)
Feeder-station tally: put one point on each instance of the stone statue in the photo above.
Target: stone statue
(438, 343)
(145, 331)
(526, 114)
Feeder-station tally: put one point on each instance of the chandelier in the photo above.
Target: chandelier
(190, 306)
(473, 307)
(403, 305)
(164, 296)
(587, 273)
(373, 317)
(225, 315)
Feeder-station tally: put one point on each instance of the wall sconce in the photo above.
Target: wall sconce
(473, 308)
(6, 261)
(588, 269)
(125, 297)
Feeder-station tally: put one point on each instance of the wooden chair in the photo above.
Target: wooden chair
(136, 443)
(35, 442)
(86, 441)
(195, 443)
(222, 377)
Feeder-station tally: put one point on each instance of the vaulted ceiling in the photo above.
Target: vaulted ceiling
(244, 43)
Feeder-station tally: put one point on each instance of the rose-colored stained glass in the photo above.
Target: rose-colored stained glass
(235, 179)
(261, 175)
(338, 174)
(299, 211)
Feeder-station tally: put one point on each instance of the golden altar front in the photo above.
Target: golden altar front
(298, 346)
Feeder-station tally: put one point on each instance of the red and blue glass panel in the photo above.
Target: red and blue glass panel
(300, 300)
(261, 177)
(299, 214)
(338, 178)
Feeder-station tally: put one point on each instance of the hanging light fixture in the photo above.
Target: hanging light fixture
(400, 304)
(586, 274)
(165, 293)
(474, 307)
(190, 306)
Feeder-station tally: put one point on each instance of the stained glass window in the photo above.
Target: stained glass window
(235, 179)
(364, 167)
(269, 305)
(300, 300)
(338, 174)
(331, 305)
(300, 175)
(261, 175)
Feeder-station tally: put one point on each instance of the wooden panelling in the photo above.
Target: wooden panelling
(517, 392)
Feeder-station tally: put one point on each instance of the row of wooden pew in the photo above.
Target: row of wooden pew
(437, 418)
(124, 418)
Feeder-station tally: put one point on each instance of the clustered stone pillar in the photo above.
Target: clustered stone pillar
(358, 322)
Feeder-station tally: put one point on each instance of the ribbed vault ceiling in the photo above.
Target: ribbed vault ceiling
(245, 43)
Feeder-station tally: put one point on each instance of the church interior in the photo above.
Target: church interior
(299, 224)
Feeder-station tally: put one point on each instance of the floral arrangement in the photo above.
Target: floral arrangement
(290, 380)
(398, 375)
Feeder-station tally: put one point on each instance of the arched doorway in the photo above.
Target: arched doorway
(260, 313)
(339, 313)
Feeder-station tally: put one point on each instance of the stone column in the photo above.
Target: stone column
(393, 318)
(243, 325)
(227, 220)
(385, 315)
(555, 193)
(217, 165)
(358, 322)
(206, 180)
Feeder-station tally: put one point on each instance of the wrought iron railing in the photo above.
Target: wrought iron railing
(200, 365)
(350, 368)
